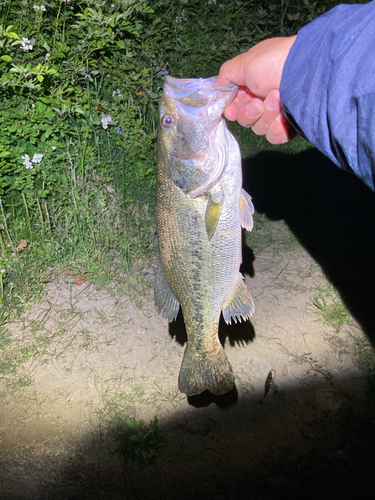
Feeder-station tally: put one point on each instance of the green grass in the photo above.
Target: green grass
(329, 308)
(366, 358)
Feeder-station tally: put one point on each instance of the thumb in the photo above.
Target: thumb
(222, 80)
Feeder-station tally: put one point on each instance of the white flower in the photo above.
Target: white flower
(42, 8)
(37, 158)
(47, 55)
(182, 17)
(117, 92)
(105, 121)
(211, 1)
(25, 44)
(36, 7)
(54, 147)
(2, 270)
(27, 161)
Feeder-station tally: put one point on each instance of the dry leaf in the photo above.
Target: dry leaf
(22, 245)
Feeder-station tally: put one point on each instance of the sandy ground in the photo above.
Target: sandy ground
(82, 357)
(106, 354)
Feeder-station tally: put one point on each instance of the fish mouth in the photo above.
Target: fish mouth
(193, 84)
(181, 89)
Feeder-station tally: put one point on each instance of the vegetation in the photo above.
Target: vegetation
(79, 86)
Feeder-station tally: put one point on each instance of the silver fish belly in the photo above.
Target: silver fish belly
(200, 208)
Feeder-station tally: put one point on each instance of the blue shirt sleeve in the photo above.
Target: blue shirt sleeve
(328, 87)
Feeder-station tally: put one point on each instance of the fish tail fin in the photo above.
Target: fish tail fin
(205, 370)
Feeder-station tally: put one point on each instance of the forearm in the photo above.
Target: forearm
(328, 87)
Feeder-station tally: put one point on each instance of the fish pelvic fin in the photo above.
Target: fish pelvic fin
(205, 370)
(165, 300)
(246, 211)
(213, 212)
(240, 305)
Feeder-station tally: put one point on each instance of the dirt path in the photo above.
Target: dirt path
(82, 358)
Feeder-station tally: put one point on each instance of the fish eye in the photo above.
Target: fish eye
(166, 121)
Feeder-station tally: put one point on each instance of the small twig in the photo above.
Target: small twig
(125, 472)
(3, 249)
(282, 270)
(53, 222)
(27, 216)
(6, 230)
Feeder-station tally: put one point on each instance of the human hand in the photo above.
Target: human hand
(258, 75)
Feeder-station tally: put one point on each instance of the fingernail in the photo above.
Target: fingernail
(252, 110)
(273, 103)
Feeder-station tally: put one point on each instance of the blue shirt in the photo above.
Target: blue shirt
(328, 87)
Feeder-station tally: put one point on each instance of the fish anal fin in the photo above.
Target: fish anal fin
(240, 305)
(213, 212)
(246, 211)
(165, 300)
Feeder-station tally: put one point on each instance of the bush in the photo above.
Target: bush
(79, 88)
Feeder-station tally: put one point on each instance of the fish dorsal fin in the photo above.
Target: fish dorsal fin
(246, 211)
(165, 300)
(240, 305)
(213, 212)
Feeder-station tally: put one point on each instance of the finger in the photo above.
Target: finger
(249, 111)
(233, 70)
(280, 130)
(272, 107)
(230, 111)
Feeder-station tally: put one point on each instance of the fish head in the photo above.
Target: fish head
(192, 136)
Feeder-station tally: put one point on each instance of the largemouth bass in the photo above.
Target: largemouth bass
(200, 208)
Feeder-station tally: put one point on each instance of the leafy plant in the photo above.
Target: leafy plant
(332, 310)
(137, 444)
(79, 88)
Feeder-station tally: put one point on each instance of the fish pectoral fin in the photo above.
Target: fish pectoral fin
(240, 305)
(246, 211)
(165, 300)
(213, 212)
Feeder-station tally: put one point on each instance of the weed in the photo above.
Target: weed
(315, 366)
(136, 441)
(137, 444)
(366, 357)
(331, 309)
(170, 396)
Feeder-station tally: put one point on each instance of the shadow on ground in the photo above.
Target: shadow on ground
(332, 214)
(294, 445)
(240, 333)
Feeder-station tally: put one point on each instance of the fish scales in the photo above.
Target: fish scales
(199, 219)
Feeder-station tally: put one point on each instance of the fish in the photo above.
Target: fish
(200, 209)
